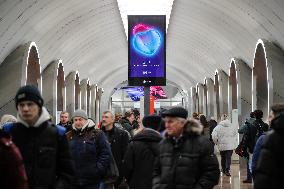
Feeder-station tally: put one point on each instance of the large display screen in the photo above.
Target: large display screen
(146, 50)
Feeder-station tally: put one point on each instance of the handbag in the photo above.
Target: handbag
(241, 149)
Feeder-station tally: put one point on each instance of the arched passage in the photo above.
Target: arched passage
(61, 90)
(20, 67)
(88, 97)
(216, 92)
(267, 82)
(260, 85)
(77, 92)
(33, 67)
(210, 101)
(232, 87)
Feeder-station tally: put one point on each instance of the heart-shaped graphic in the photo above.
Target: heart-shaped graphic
(147, 42)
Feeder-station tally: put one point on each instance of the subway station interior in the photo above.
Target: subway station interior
(221, 56)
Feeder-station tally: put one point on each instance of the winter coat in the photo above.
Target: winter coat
(256, 152)
(91, 153)
(45, 152)
(245, 127)
(12, 174)
(139, 159)
(212, 124)
(118, 140)
(68, 126)
(127, 125)
(269, 172)
(187, 162)
(254, 131)
(225, 136)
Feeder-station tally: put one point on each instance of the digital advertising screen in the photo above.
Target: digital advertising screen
(146, 50)
(136, 92)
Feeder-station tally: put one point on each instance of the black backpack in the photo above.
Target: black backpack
(255, 131)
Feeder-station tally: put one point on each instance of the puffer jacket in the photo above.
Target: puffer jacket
(91, 153)
(225, 136)
(269, 171)
(187, 162)
(139, 159)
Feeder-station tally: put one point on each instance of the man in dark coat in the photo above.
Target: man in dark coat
(141, 153)
(118, 140)
(90, 151)
(12, 174)
(186, 159)
(269, 172)
(43, 145)
(64, 121)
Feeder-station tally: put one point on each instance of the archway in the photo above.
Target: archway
(260, 84)
(217, 91)
(233, 95)
(33, 67)
(77, 92)
(61, 90)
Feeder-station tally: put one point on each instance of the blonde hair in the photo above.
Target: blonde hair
(6, 119)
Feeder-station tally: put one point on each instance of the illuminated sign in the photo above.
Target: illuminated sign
(146, 50)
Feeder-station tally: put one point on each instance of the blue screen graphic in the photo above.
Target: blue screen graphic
(146, 47)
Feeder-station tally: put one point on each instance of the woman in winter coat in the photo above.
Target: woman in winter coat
(224, 136)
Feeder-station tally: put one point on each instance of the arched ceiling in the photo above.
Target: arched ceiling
(89, 36)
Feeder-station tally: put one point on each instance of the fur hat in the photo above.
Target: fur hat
(193, 126)
(29, 93)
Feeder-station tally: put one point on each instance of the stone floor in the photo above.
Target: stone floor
(235, 181)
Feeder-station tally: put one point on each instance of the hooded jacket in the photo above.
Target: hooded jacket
(91, 153)
(45, 151)
(225, 136)
(139, 159)
(127, 125)
(269, 171)
(187, 162)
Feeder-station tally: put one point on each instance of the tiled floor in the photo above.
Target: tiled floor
(235, 181)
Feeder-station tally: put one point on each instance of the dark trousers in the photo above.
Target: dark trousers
(226, 157)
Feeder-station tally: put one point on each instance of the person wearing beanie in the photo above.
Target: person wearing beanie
(141, 153)
(184, 152)
(42, 144)
(90, 151)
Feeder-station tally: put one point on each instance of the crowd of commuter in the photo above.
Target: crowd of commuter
(164, 151)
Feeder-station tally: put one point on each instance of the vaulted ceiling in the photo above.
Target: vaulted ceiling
(89, 36)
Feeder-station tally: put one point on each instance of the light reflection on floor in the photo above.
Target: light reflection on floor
(235, 181)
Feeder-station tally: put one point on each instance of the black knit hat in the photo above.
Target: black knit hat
(29, 93)
(152, 121)
(176, 112)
